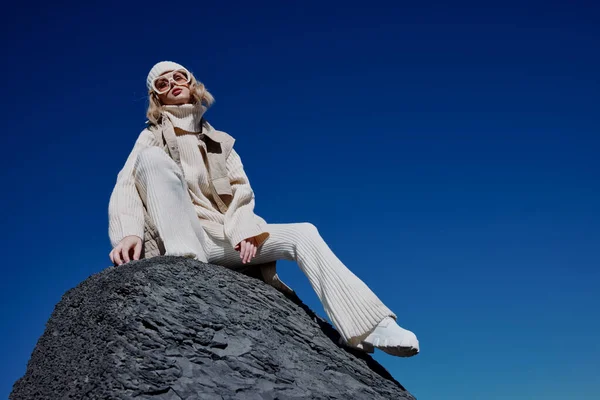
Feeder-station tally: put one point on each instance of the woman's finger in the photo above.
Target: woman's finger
(111, 256)
(126, 251)
(248, 248)
(118, 255)
(250, 251)
(138, 250)
(242, 250)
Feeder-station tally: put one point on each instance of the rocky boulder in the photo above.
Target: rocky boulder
(170, 328)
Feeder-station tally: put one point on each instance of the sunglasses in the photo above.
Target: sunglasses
(162, 84)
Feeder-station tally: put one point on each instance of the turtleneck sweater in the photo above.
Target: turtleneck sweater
(187, 117)
(126, 213)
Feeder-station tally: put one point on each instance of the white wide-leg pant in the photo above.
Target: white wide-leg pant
(349, 303)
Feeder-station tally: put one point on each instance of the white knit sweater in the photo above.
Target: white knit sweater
(126, 214)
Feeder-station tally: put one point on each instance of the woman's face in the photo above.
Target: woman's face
(178, 93)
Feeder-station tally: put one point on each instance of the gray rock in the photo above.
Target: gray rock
(170, 328)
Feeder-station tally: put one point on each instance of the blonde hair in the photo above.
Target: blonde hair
(198, 93)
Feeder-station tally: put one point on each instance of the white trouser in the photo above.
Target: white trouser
(349, 303)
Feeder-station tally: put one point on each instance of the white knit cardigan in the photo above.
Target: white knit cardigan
(233, 218)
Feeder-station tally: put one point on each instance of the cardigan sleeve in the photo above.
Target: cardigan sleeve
(240, 221)
(125, 207)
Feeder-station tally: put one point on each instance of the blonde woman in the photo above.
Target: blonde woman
(184, 182)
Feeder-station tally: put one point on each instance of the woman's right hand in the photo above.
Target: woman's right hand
(122, 251)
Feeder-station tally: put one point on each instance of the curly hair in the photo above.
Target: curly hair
(198, 93)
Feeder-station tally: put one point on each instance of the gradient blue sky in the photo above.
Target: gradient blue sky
(448, 152)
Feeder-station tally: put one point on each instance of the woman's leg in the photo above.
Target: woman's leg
(164, 191)
(352, 307)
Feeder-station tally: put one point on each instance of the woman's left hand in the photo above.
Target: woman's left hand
(247, 249)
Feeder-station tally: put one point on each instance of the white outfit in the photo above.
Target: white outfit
(191, 225)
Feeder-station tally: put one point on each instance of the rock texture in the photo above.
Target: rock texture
(170, 328)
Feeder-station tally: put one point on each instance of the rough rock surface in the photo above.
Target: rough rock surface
(172, 328)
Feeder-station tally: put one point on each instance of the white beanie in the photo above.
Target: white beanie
(159, 69)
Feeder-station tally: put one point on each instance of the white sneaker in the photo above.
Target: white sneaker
(388, 336)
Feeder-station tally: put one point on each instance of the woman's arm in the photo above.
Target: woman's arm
(240, 221)
(125, 208)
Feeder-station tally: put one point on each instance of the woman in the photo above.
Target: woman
(184, 178)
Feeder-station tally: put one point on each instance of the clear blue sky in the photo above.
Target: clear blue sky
(448, 152)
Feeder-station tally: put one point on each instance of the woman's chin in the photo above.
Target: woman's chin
(177, 101)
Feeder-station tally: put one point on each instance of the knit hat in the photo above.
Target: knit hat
(159, 69)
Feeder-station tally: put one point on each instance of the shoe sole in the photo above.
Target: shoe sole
(398, 351)
(392, 350)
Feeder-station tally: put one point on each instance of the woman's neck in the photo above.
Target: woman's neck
(187, 117)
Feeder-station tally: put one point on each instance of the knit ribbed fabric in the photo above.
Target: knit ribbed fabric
(349, 303)
(163, 190)
(187, 117)
(351, 306)
(126, 216)
(125, 208)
